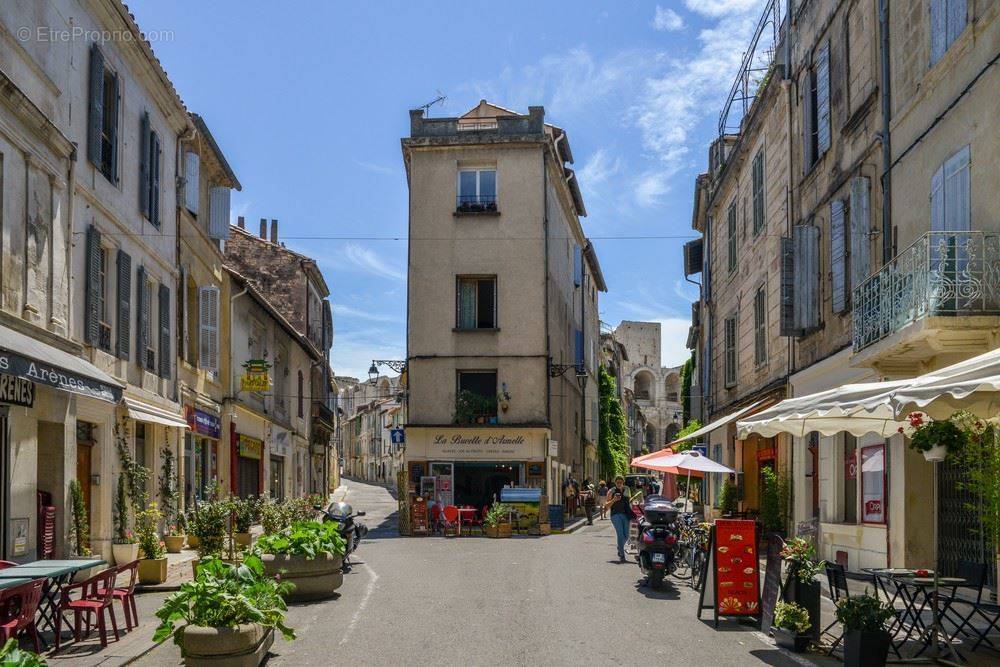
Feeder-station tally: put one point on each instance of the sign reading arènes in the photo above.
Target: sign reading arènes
(16, 391)
(35, 371)
(484, 444)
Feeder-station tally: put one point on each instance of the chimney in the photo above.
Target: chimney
(241, 223)
(263, 228)
(274, 230)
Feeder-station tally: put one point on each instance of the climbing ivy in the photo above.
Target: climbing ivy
(612, 446)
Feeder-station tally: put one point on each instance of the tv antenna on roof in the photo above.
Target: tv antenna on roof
(437, 100)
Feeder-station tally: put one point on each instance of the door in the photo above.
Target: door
(246, 476)
(445, 474)
(83, 458)
(959, 528)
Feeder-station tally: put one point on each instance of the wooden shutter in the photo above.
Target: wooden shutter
(806, 277)
(758, 192)
(823, 99)
(165, 356)
(860, 211)
(937, 200)
(939, 29)
(808, 131)
(731, 231)
(786, 322)
(208, 328)
(112, 113)
(95, 106)
(838, 257)
(142, 317)
(92, 318)
(218, 213)
(957, 18)
(154, 179)
(144, 165)
(124, 301)
(192, 182)
(577, 265)
(957, 216)
(729, 362)
(327, 326)
(579, 350)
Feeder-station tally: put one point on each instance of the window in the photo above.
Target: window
(208, 328)
(477, 190)
(816, 108)
(191, 182)
(149, 172)
(948, 19)
(760, 327)
(148, 288)
(758, 192)
(476, 303)
(850, 490)
(950, 197)
(731, 228)
(729, 362)
(483, 386)
(102, 301)
(102, 116)
(873, 484)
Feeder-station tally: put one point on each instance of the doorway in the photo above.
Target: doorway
(85, 441)
(247, 477)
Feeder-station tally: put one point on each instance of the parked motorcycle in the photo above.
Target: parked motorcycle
(657, 543)
(352, 531)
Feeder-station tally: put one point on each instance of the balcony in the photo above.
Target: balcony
(941, 295)
(476, 204)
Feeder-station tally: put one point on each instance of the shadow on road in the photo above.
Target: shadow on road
(668, 592)
(773, 657)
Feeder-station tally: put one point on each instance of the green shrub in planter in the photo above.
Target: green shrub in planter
(304, 538)
(208, 524)
(866, 642)
(791, 621)
(307, 554)
(12, 656)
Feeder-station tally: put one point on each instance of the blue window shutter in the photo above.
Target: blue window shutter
(577, 265)
(218, 216)
(192, 182)
(838, 252)
(806, 277)
(938, 29)
(823, 99)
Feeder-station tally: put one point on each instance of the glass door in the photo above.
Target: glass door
(445, 474)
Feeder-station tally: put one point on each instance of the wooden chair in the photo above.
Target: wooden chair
(23, 602)
(88, 603)
(126, 594)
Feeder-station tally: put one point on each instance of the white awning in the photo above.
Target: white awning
(882, 407)
(145, 412)
(717, 423)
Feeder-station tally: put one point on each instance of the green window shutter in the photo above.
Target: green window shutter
(144, 165)
(758, 192)
(112, 113)
(154, 179)
(92, 318)
(808, 121)
(142, 317)
(164, 321)
(124, 303)
(787, 310)
(95, 105)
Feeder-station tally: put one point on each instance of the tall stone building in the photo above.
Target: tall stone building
(655, 389)
(502, 329)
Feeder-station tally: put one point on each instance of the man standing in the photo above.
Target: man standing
(621, 513)
(588, 500)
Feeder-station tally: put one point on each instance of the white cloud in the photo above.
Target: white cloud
(667, 19)
(349, 312)
(370, 262)
(376, 168)
(353, 351)
(599, 168)
(717, 8)
(650, 186)
(685, 290)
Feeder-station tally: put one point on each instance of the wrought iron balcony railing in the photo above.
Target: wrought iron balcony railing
(476, 203)
(940, 274)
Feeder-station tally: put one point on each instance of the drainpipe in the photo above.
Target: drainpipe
(232, 399)
(548, 341)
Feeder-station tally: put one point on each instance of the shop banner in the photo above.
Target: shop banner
(60, 378)
(255, 377)
(737, 570)
(203, 423)
(16, 391)
(251, 448)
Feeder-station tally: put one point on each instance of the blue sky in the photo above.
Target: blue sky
(309, 100)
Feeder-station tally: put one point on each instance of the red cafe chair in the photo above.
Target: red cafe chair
(24, 599)
(4, 564)
(126, 594)
(436, 518)
(450, 520)
(88, 603)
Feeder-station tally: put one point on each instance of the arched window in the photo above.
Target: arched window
(644, 390)
(301, 397)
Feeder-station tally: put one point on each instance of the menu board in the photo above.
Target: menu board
(772, 581)
(737, 571)
(418, 517)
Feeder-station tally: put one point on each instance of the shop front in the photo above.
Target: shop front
(249, 465)
(279, 463)
(201, 451)
(471, 466)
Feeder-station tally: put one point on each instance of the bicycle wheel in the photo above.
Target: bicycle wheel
(682, 569)
(697, 566)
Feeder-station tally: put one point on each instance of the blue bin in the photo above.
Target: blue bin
(557, 517)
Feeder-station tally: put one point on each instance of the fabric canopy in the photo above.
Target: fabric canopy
(722, 421)
(881, 407)
(144, 412)
(687, 461)
(638, 462)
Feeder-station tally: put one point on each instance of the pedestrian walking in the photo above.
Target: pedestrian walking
(569, 496)
(589, 500)
(602, 496)
(621, 513)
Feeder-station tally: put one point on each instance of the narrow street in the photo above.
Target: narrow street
(556, 600)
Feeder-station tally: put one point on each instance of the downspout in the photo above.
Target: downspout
(553, 498)
(232, 399)
(887, 250)
(789, 206)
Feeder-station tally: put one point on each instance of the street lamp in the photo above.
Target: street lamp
(397, 365)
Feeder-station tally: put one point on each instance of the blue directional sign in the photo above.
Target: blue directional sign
(701, 449)
(398, 436)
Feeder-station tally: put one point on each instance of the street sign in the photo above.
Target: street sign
(398, 436)
(701, 449)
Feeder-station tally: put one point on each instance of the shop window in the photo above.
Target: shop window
(873, 484)
(850, 487)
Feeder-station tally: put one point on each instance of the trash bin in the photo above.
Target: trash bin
(557, 519)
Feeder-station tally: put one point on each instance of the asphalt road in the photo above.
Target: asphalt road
(556, 600)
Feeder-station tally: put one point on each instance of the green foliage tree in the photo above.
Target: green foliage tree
(691, 427)
(81, 526)
(774, 497)
(686, 376)
(612, 445)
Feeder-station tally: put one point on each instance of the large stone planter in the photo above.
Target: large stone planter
(313, 579)
(174, 543)
(125, 553)
(193, 541)
(242, 539)
(153, 570)
(242, 646)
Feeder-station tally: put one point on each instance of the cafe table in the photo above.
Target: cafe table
(56, 574)
(14, 582)
(465, 511)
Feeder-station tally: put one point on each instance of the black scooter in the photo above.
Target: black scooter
(352, 531)
(657, 544)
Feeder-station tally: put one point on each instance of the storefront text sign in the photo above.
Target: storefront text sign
(16, 391)
(486, 444)
(53, 376)
(251, 448)
(255, 377)
(202, 422)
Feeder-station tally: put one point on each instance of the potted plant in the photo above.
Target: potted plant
(227, 611)
(936, 440)
(497, 521)
(80, 530)
(124, 547)
(153, 564)
(208, 524)
(189, 526)
(866, 641)
(790, 624)
(308, 554)
(11, 655)
(246, 512)
(802, 587)
(174, 538)
(728, 500)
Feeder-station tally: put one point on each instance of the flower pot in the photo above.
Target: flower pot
(153, 570)
(936, 453)
(314, 579)
(174, 543)
(125, 553)
(544, 529)
(505, 530)
(791, 640)
(492, 531)
(807, 596)
(865, 649)
(193, 541)
(242, 646)
(242, 539)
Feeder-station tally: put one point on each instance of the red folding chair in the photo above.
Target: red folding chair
(88, 603)
(436, 518)
(23, 602)
(126, 594)
(450, 520)
(473, 520)
(4, 564)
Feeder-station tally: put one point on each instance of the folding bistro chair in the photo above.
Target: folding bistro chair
(88, 603)
(449, 523)
(975, 576)
(126, 594)
(23, 602)
(836, 579)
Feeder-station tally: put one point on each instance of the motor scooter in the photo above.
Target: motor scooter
(352, 531)
(657, 543)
